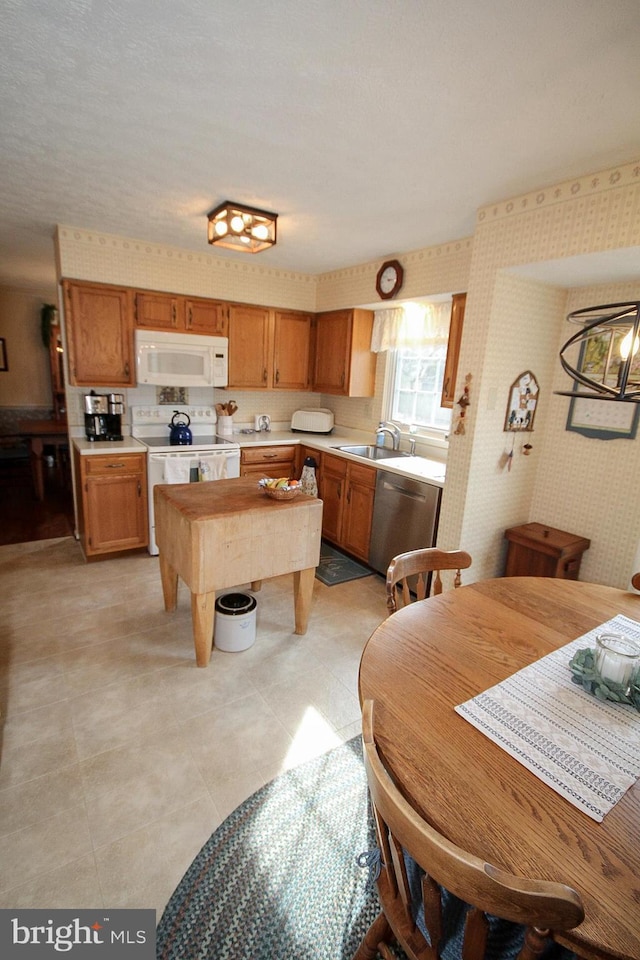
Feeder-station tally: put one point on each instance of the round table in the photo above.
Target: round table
(435, 654)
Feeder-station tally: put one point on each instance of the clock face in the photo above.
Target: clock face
(389, 279)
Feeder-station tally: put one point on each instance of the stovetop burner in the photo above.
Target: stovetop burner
(210, 440)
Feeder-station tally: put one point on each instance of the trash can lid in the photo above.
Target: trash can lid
(234, 604)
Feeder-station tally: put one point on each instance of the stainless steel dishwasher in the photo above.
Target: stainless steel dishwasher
(405, 517)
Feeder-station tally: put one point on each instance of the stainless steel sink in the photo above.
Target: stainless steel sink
(374, 453)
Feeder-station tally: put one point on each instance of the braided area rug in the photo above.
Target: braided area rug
(278, 879)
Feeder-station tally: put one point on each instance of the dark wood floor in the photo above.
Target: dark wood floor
(24, 518)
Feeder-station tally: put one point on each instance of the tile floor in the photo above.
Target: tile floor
(119, 756)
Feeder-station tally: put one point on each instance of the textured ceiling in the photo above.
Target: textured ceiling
(371, 126)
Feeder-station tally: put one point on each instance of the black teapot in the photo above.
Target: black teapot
(180, 433)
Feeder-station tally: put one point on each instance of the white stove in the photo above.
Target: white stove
(209, 457)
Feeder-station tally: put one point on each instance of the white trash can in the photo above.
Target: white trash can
(235, 622)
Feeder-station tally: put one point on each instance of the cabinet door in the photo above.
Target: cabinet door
(156, 311)
(332, 492)
(453, 349)
(115, 503)
(333, 345)
(249, 337)
(358, 514)
(206, 317)
(292, 339)
(99, 335)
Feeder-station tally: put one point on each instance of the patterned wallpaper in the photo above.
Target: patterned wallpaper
(511, 325)
(88, 255)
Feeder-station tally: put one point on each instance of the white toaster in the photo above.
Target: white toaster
(318, 420)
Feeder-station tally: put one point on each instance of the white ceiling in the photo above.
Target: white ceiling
(373, 127)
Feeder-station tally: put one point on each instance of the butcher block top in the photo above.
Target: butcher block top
(229, 532)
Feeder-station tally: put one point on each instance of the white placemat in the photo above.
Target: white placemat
(585, 749)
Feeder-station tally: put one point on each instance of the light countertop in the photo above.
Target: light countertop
(416, 468)
(88, 447)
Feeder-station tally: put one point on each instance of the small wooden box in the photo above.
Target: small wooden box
(536, 550)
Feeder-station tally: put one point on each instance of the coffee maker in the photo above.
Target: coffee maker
(103, 415)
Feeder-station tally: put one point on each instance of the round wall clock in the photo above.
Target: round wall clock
(389, 279)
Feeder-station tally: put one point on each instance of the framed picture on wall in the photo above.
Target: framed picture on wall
(4, 363)
(598, 418)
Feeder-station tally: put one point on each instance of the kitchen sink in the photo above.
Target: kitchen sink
(369, 452)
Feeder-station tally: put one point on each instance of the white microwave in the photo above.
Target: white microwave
(181, 359)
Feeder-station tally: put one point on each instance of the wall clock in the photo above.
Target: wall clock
(389, 279)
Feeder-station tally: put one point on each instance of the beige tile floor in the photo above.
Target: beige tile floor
(119, 756)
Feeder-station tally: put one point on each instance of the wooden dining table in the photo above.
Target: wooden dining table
(433, 655)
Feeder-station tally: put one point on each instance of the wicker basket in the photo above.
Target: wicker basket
(279, 493)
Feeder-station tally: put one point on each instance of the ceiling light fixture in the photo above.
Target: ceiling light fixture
(237, 227)
(608, 361)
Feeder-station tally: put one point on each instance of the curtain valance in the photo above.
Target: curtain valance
(412, 325)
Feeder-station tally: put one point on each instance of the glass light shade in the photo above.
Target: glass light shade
(238, 227)
(625, 346)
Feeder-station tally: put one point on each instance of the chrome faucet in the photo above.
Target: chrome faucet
(387, 426)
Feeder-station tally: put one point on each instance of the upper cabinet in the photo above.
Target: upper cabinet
(291, 350)
(99, 325)
(344, 364)
(453, 349)
(166, 311)
(268, 349)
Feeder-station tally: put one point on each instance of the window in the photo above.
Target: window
(415, 387)
(416, 337)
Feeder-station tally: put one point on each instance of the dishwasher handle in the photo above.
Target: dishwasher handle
(402, 491)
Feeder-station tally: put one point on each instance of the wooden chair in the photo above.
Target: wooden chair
(422, 563)
(539, 907)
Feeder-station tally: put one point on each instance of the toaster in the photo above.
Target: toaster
(318, 420)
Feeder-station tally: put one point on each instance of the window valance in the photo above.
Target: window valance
(411, 325)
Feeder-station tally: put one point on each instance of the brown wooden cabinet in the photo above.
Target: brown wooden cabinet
(99, 325)
(536, 550)
(453, 349)
(167, 311)
(347, 491)
(291, 350)
(268, 461)
(112, 502)
(268, 349)
(250, 345)
(344, 364)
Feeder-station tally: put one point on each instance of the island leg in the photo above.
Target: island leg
(302, 596)
(169, 577)
(202, 614)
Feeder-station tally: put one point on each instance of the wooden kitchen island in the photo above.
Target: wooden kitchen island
(225, 533)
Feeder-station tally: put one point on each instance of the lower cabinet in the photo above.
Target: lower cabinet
(112, 502)
(271, 461)
(347, 491)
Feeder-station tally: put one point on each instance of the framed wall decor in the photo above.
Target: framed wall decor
(4, 363)
(521, 404)
(603, 419)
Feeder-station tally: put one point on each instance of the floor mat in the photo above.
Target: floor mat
(336, 567)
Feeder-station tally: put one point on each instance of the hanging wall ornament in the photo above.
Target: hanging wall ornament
(463, 403)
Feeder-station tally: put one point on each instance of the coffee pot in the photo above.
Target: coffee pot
(103, 416)
(180, 433)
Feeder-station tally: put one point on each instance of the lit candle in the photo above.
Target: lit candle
(617, 658)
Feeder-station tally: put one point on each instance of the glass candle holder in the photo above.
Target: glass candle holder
(617, 658)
